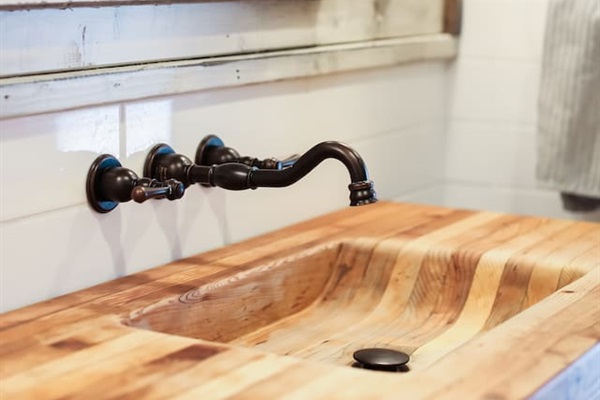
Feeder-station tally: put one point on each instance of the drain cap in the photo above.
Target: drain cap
(381, 359)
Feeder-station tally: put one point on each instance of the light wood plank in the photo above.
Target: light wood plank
(87, 38)
(35, 94)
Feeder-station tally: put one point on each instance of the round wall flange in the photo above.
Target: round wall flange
(93, 190)
(150, 166)
(202, 151)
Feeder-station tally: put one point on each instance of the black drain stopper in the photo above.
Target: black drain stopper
(381, 360)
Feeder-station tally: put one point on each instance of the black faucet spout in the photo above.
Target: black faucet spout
(309, 160)
(361, 188)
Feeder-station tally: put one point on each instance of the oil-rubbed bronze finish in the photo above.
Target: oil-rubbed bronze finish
(212, 151)
(93, 187)
(109, 183)
(163, 163)
(381, 359)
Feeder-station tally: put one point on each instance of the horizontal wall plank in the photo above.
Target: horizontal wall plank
(54, 40)
(20, 96)
(12, 5)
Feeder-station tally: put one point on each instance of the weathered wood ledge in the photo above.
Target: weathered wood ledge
(76, 346)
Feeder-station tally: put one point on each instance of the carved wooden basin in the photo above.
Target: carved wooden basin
(326, 302)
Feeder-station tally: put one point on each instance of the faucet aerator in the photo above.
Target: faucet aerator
(362, 193)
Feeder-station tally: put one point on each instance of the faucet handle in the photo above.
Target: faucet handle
(148, 188)
(109, 183)
(288, 161)
(268, 163)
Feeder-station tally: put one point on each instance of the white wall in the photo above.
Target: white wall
(52, 243)
(491, 133)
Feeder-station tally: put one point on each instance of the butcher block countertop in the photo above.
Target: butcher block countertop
(523, 308)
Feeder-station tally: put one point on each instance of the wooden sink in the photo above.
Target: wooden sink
(477, 298)
(328, 301)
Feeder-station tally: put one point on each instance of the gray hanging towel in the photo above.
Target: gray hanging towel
(569, 102)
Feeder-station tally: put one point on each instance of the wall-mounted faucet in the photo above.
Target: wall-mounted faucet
(163, 163)
(167, 174)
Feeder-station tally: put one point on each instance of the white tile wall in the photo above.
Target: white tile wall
(406, 162)
(491, 154)
(524, 201)
(494, 90)
(52, 243)
(432, 194)
(503, 29)
(491, 127)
